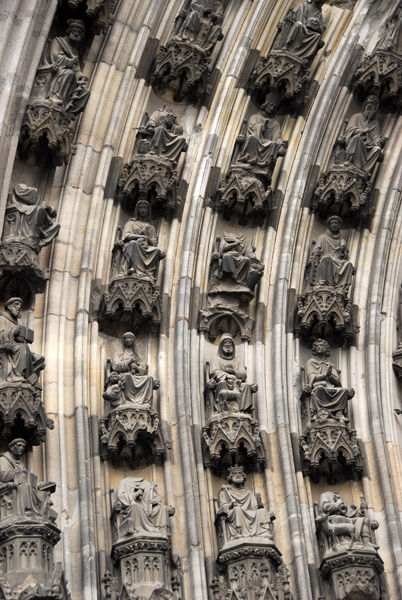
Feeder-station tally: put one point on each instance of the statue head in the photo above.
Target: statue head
(13, 306)
(17, 447)
(26, 194)
(142, 211)
(75, 31)
(114, 378)
(370, 106)
(321, 347)
(271, 103)
(226, 348)
(334, 223)
(236, 475)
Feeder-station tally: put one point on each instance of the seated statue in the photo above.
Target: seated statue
(328, 262)
(17, 362)
(66, 87)
(345, 526)
(391, 40)
(200, 23)
(29, 220)
(141, 508)
(262, 144)
(138, 244)
(128, 383)
(242, 513)
(329, 399)
(300, 33)
(162, 136)
(228, 380)
(236, 258)
(33, 500)
(362, 140)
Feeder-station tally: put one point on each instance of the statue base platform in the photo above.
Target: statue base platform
(53, 587)
(131, 434)
(22, 413)
(149, 177)
(381, 74)
(354, 574)
(182, 69)
(129, 302)
(19, 270)
(233, 438)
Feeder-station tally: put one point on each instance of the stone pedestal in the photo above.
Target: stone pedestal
(20, 271)
(131, 434)
(22, 413)
(354, 574)
(381, 74)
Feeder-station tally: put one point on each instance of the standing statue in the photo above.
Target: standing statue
(28, 219)
(17, 362)
(200, 23)
(345, 526)
(329, 399)
(228, 380)
(328, 262)
(163, 135)
(262, 144)
(66, 86)
(141, 508)
(362, 139)
(300, 33)
(138, 244)
(242, 513)
(32, 499)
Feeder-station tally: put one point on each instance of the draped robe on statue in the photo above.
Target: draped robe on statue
(141, 255)
(362, 148)
(166, 140)
(333, 269)
(327, 395)
(244, 517)
(137, 390)
(20, 363)
(141, 506)
(260, 148)
(301, 32)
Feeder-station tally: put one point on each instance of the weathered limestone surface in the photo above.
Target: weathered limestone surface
(67, 332)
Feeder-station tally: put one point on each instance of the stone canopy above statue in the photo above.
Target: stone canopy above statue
(59, 95)
(28, 227)
(296, 44)
(152, 173)
(182, 70)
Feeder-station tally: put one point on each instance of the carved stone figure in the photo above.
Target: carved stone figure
(245, 191)
(163, 136)
(59, 95)
(28, 227)
(242, 513)
(295, 46)
(100, 11)
(324, 306)
(130, 429)
(349, 552)
(182, 66)
(381, 71)
(27, 521)
(397, 354)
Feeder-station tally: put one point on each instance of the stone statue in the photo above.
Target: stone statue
(66, 85)
(200, 23)
(362, 140)
(242, 512)
(328, 262)
(329, 399)
(141, 508)
(29, 220)
(262, 144)
(346, 527)
(228, 380)
(17, 362)
(128, 354)
(237, 263)
(162, 136)
(138, 244)
(391, 40)
(32, 498)
(300, 33)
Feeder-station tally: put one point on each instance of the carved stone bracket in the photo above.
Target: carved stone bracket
(326, 312)
(98, 10)
(241, 194)
(330, 449)
(281, 71)
(380, 73)
(182, 68)
(233, 438)
(133, 434)
(345, 191)
(16, 258)
(129, 302)
(152, 178)
(22, 412)
(218, 319)
(354, 574)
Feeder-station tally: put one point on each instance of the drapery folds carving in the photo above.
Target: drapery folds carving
(58, 96)
(182, 66)
(130, 430)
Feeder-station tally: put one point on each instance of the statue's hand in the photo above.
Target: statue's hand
(162, 254)
(8, 347)
(351, 392)
(308, 389)
(171, 511)
(156, 384)
(12, 485)
(254, 387)
(211, 384)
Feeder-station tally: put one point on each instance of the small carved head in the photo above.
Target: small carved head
(142, 210)
(370, 106)
(334, 223)
(13, 306)
(128, 340)
(226, 347)
(236, 475)
(17, 446)
(75, 30)
(321, 347)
